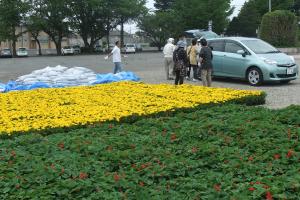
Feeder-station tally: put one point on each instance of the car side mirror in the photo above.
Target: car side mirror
(242, 52)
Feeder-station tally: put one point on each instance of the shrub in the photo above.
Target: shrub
(279, 28)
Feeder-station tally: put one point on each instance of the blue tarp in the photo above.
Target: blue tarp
(101, 79)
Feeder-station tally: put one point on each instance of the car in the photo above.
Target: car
(77, 49)
(67, 50)
(5, 53)
(98, 48)
(201, 33)
(22, 52)
(252, 59)
(130, 48)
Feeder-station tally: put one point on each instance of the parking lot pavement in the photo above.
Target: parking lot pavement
(149, 66)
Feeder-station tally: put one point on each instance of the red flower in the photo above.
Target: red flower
(13, 154)
(133, 166)
(18, 186)
(109, 148)
(289, 154)
(269, 196)
(116, 177)
(110, 126)
(173, 137)
(277, 156)
(266, 187)
(258, 182)
(61, 145)
(142, 184)
(251, 189)
(194, 150)
(217, 187)
(83, 175)
(62, 170)
(250, 158)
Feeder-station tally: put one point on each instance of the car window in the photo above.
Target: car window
(260, 47)
(67, 47)
(130, 45)
(217, 45)
(22, 49)
(231, 47)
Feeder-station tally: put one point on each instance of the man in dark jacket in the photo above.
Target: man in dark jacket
(206, 57)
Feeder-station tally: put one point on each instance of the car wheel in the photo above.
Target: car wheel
(254, 76)
(285, 81)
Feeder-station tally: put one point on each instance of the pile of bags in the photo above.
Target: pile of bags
(60, 76)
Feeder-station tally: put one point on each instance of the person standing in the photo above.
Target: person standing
(180, 63)
(206, 57)
(192, 58)
(168, 58)
(116, 53)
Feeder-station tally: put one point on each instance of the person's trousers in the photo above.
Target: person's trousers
(195, 71)
(118, 67)
(206, 77)
(169, 65)
(179, 78)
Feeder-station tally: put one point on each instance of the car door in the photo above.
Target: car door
(234, 63)
(218, 54)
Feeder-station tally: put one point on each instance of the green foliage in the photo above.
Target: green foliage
(214, 153)
(164, 5)
(249, 19)
(280, 28)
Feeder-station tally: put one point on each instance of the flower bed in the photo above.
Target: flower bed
(56, 108)
(221, 152)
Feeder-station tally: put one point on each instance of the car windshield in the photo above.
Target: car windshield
(7, 50)
(67, 47)
(22, 49)
(76, 47)
(260, 47)
(129, 45)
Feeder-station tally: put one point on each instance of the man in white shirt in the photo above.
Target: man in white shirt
(168, 60)
(116, 53)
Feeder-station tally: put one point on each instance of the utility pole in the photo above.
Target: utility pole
(270, 5)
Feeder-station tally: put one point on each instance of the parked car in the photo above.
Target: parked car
(129, 48)
(77, 49)
(251, 59)
(22, 52)
(5, 53)
(67, 50)
(98, 48)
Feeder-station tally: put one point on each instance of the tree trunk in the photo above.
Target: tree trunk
(107, 39)
(39, 44)
(122, 33)
(14, 48)
(58, 45)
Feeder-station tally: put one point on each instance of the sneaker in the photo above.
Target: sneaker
(195, 80)
(187, 78)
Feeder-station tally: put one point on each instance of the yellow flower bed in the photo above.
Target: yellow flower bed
(54, 108)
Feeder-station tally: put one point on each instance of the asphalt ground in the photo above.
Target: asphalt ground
(149, 67)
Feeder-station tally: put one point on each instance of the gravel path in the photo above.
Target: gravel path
(149, 66)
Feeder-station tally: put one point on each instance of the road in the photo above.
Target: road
(149, 67)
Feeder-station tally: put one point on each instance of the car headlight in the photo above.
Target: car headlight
(270, 62)
(293, 59)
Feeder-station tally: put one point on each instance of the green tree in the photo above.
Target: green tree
(34, 26)
(163, 5)
(158, 27)
(54, 18)
(88, 20)
(246, 23)
(129, 10)
(279, 28)
(12, 15)
(251, 14)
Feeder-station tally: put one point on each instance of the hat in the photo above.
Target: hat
(181, 43)
(171, 40)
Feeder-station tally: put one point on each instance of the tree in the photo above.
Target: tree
(88, 20)
(246, 23)
(251, 14)
(129, 10)
(279, 28)
(163, 5)
(12, 15)
(54, 19)
(34, 26)
(158, 27)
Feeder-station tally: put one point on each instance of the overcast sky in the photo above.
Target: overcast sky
(236, 3)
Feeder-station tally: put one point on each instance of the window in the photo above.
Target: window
(232, 47)
(217, 45)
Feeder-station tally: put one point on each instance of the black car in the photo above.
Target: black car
(5, 53)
